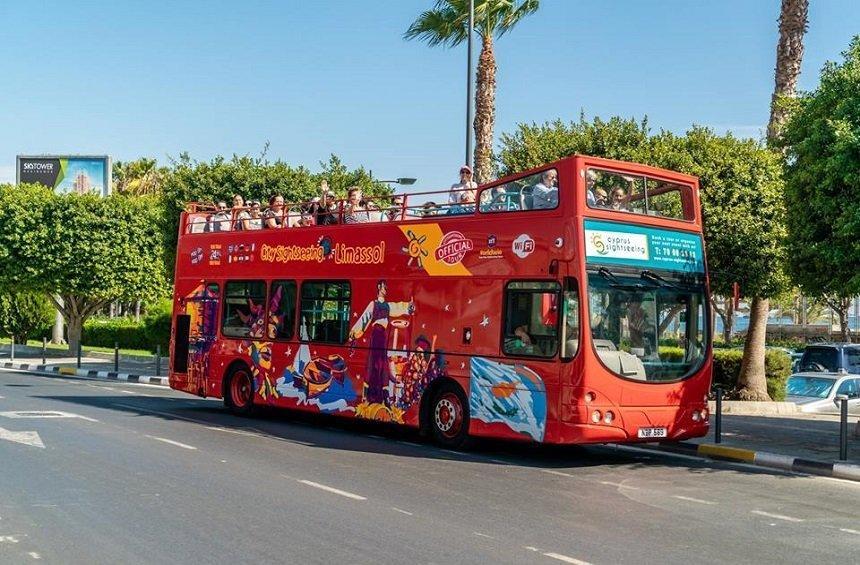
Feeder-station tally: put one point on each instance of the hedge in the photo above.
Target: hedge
(152, 331)
(727, 368)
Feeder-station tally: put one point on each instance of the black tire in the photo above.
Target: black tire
(239, 390)
(448, 416)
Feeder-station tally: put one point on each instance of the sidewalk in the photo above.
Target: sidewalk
(135, 369)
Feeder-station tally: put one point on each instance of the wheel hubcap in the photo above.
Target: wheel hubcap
(241, 389)
(449, 415)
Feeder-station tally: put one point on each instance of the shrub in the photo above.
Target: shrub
(156, 325)
(727, 368)
(25, 314)
(105, 332)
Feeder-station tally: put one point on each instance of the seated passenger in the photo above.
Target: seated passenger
(325, 209)
(220, 220)
(466, 204)
(601, 198)
(241, 216)
(273, 217)
(305, 220)
(429, 209)
(520, 342)
(255, 221)
(619, 200)
(545, 193)
(466, 184)
(395, 212)
(355, 210)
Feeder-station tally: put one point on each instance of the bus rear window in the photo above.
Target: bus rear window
(636, 194)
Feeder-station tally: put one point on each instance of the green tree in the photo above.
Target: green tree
(23, 313)
(448, 24)
(822, 142)
(86, 250)
(139, 177)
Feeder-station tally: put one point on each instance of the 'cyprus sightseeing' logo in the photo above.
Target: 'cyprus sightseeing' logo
(597, 242)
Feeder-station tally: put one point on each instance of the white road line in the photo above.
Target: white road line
(402, 511)
(559, 473)
(777, 516)
(237, 432)
(849, 531)
(34, 555)
(332, 490)
(413, 444)
(480, 535)
(691, 499)
(618, 485)
(45, 414)
(171, 442)
(25, 438)
(566, 558)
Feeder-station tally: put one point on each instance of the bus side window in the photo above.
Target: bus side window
(325, 311)
(531, 319)
(244, 309)
(570, 327)
(282, 310)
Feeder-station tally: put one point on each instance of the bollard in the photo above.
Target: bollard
(116, 357)
(843, 426)
(44, 351)
(79, 355)
(157, 360)
(718, 417)
(12, 351)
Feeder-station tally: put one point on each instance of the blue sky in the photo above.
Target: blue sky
(156, 78)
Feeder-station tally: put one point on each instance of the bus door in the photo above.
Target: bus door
(195, 335)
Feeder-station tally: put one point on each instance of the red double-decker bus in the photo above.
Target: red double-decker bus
(565, 304)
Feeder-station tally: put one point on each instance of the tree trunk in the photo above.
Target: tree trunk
(75, 325)
(789, 55)
(485, 110)
(726, 314)
(752, 383)
(841, 305)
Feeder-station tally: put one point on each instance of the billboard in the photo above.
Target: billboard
(80, 174)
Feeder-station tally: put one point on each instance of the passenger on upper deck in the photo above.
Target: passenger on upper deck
(241, 216)
(429, 209)
(355, 211)
(324, 208)
(220, 220)
(466, 183)
(466, 204)
(545, 193)
(255, 222)
(305, 220)
(395, 212)
(273, 217)
(619, 199)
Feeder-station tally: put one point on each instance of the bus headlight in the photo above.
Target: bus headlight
(695, 415)
(595, 416)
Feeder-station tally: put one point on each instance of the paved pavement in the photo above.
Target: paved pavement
(141, 474)
(92, 361)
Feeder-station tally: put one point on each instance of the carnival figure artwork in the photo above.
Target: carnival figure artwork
(376, 318)
(423, 366)
(253, 319)
(260, 353)
(201, 305)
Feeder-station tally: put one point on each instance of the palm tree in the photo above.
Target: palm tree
(752, 383)
(447, 24)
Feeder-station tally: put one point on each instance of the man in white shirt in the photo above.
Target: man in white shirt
(466, 183)
(545, 193)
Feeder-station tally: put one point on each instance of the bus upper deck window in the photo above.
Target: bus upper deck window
(623, 192)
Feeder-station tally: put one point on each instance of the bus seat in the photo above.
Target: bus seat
(604, 345)
(526, 198)
(623, 363)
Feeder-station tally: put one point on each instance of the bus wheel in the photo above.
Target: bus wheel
(239, 392)
(449, 416)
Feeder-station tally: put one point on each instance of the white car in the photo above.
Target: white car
(816, 392)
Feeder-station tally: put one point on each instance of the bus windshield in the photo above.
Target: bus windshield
(648, 325)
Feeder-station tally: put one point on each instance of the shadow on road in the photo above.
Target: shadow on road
(332, 432)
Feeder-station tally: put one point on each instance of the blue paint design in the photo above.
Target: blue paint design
(513, 395)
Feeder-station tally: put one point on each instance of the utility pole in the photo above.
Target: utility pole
(470, 95)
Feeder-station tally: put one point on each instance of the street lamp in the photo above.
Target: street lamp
(400, 180)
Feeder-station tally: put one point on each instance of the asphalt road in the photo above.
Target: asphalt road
(140, 474)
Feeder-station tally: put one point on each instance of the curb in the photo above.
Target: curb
(836, 469)
(91, 373)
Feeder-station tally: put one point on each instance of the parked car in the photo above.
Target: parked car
(816, 392)
(831, 358)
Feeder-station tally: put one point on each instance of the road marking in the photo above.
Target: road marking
(530, 548)
(566, 558)
(849, 531)
(691, 499)
(479, 534)
(34, 555)
(332, 490)
(126, 391)
(237, 432)
(777, 516)
(44, 414)
(559, 473)
(26, 438)
(10, 538)
(171, 442)
(402, 511)
(618, 485)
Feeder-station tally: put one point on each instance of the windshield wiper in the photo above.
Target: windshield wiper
(607, 274)
(654, 277)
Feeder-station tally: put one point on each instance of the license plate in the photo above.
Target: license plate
(652, 432)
